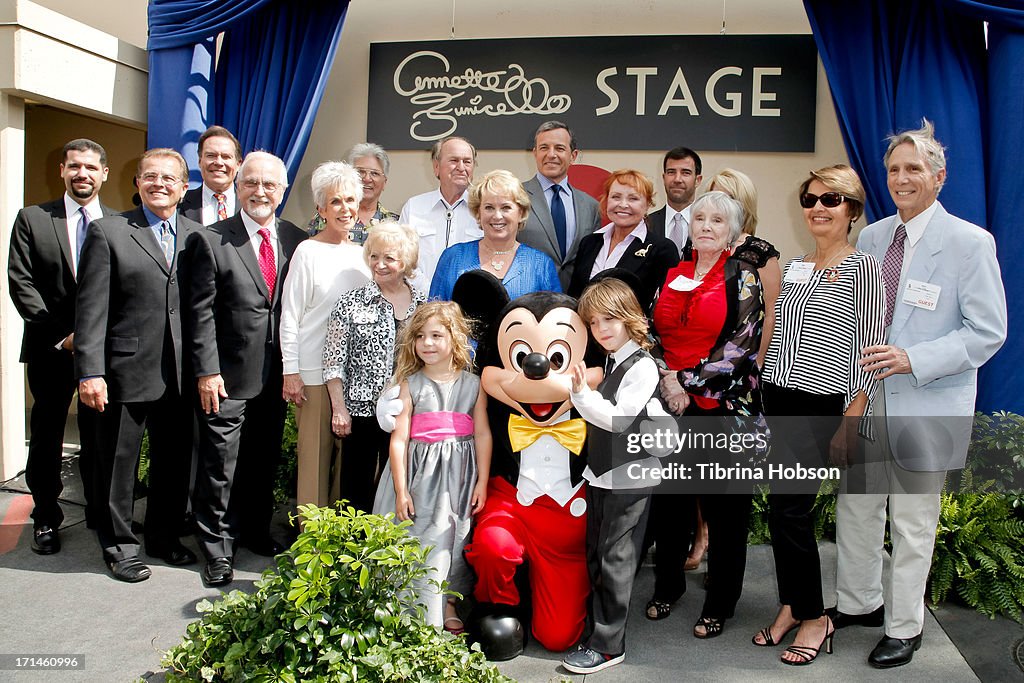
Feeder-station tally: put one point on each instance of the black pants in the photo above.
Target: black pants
(364, 455)
(51, 380)
(238, 459)
(672, 517)
(616, 521)
(728, 518)
(121, 428)
(791, 516)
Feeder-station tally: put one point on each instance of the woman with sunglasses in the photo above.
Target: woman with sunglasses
(832, 304)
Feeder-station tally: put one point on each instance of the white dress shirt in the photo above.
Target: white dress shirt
(210, 204)
(636, 392)
(684, 227)
(253, 228)
(608, 257)
(915, 231)
(439, 227)
(71, 210)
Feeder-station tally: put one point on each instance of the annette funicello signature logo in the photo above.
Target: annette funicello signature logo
(436, 94)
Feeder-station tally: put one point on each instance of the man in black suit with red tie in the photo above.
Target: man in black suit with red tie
(239, 269)
(132, 366)
(45, 246)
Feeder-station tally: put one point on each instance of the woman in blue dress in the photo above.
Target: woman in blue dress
(500, 205)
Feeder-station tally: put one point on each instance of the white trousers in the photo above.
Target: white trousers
(861, 586)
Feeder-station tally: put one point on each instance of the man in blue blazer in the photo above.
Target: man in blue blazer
(946, 316)
(556, 226)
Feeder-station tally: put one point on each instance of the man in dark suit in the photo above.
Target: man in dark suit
(681, 173)
(131, 367)
(560, 218)
(219, 157)
(238, 275)
(45, 247)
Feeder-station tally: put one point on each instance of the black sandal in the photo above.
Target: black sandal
(660, 609)
(766, 634)
(712, 627)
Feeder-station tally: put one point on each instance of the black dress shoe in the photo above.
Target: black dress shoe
(266, 546)
(842, 619)
(129, 570)
(45, 540)
(892, 652)
(175, 555)
(218, 572)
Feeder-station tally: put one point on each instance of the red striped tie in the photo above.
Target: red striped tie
(892, 267)
(222, 205)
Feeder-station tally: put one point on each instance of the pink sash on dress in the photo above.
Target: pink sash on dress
(440, 425)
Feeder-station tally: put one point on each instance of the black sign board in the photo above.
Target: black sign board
(715, 93)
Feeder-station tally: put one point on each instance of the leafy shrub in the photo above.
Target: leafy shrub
(996, 456)
(288, 466)
(337, 607)
(979, 554)
(824, 515)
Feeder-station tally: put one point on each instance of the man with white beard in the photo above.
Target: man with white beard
(240, 265)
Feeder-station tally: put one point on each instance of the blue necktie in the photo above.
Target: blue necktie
(558, 217)
(167, 242)
(83, 228)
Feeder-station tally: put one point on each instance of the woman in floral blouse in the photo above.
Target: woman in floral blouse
(709, 317)
(359, 356)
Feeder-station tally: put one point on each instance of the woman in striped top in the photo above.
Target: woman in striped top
(832, 304)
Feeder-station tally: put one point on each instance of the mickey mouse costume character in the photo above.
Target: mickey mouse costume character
(536, 503)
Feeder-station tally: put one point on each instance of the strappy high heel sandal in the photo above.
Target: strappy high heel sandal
(806, 654)
(766, 634)
(712, 627)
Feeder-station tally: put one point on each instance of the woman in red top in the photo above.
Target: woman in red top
(709, 317)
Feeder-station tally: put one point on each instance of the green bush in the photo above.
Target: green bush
(337, 607)
(288, 466)
(979, 554)
(824, 515)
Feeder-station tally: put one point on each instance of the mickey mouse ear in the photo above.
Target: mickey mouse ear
(481, 296)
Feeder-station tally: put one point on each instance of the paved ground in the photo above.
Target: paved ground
(68, 604)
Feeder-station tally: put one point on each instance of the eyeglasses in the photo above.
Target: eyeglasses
(269, 186)
(151, 178)
(829, 200)
(369, 173)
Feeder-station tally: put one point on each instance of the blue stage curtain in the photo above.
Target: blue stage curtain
(274, 62)
(177, 23)
(272, 73)
(890, 64)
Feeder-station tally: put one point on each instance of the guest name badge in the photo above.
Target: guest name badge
(799, 272)
(921, 294)
(684, 284)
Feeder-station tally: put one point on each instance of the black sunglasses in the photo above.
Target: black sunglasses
(829, 200)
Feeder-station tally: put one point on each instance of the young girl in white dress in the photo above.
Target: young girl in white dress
(440, 450)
